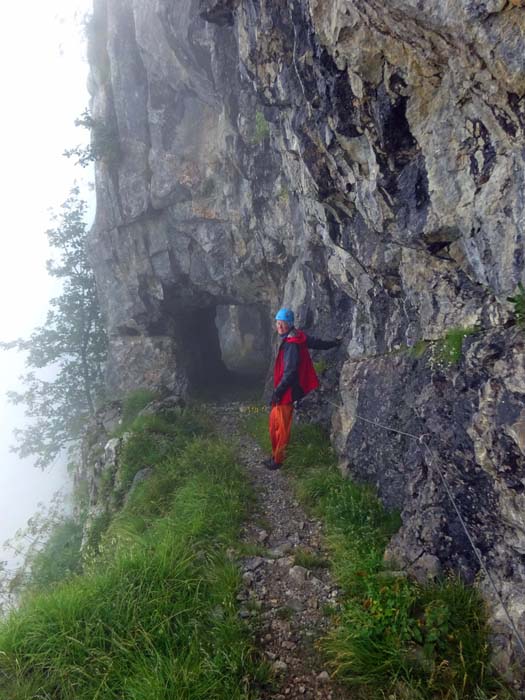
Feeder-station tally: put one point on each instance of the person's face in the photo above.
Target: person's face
(282, 327)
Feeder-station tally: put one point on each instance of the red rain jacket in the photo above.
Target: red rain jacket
(294, 374)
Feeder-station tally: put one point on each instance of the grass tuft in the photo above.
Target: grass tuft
(518, 301)
(134, 402)
(262, 128)
(418, 349)
(448, 350)
(154, 438)
(321, 366)
(310, 560)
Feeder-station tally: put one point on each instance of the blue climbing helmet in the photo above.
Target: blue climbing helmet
(286, 315)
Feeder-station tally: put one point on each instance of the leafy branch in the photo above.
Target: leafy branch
(104, 146)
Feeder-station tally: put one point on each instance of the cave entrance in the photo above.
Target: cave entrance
(244, 338)
(226, 351)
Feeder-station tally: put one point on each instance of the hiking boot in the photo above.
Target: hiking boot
(271, 464)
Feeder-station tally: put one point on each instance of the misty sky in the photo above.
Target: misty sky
(44, 74)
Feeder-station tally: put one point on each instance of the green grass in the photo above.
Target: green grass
(154, 614)
(134, 402)
(418, 349)
(391, 636)
(59, 558)
(252, 549)
(256, 423)
(97, 528)
(448, 350)
(284, 613)
(518, 301)
(321, 366)
(262, 128)
(309, 560)
(154, 438)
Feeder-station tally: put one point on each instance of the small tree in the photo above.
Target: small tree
(72, 343)
(104, 144)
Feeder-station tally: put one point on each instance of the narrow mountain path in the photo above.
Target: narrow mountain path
(288, 603)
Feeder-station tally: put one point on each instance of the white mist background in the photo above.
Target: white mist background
(44, 76)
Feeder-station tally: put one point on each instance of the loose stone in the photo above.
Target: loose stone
(280, 666)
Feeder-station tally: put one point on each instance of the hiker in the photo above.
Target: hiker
(293, 377)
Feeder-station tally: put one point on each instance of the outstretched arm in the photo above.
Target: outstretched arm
(318, 344)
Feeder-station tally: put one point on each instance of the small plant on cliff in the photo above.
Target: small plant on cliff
(418, 349)
(104, 146)
(71, 346)
(447, 351)
(133, 404)
(518, 301)
(262, 128)
(321, 366)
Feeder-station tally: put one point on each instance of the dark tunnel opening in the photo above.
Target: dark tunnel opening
(225, 350)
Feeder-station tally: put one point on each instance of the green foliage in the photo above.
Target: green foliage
(96, 529)
(447, 351)
(262, 128)
(72, 343)
(104, 146)
(252, 549)
(155, 437)
(256, 424)
(418, 349)
(391, 636)
(309, 560)
(60, 556)
(80, 499)
(432, 639)
(48, 549)
(320, 367)
(518, 301)
(155, 615)
(284, 613)
(133, 404)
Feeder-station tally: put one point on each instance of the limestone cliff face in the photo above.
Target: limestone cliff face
(362, 162)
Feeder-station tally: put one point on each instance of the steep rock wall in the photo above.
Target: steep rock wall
(364, 164)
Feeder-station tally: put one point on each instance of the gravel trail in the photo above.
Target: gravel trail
(287, 602)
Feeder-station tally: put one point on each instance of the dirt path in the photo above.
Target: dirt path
(288, 602)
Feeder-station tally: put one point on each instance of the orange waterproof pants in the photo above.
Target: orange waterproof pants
(280, 429)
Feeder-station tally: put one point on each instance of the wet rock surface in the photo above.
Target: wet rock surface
(288, 605)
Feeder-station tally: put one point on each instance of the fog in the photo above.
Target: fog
(44, 89)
